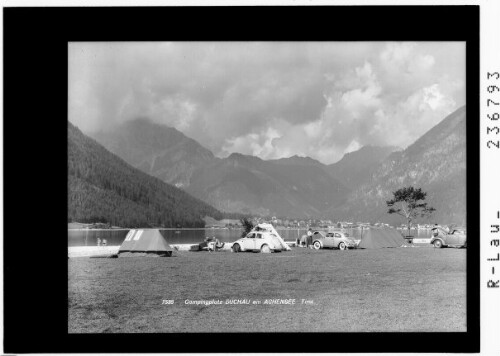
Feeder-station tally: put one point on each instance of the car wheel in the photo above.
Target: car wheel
(265, 249)
(317, 245)
(342, 246)
(438, 244)
(236, 248)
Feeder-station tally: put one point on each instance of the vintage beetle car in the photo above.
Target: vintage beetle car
(262, 241)
(454, 238)
(335, 239)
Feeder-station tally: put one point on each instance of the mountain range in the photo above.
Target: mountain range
(436, 162)
(297, 186)
(354, 188)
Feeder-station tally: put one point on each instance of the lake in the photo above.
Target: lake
(89, 237)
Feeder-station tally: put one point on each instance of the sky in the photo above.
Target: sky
(270, 99)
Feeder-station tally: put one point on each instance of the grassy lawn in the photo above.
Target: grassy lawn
(404, 289)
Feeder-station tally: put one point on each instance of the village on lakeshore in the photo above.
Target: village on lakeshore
(278, 223)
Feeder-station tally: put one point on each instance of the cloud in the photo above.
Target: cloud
(260, 145)
(366, 95)
(409, 119)
(270, 99)
(353, 146)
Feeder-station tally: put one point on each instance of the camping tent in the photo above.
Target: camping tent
(270, 228)
(145, 242)
(380, 238)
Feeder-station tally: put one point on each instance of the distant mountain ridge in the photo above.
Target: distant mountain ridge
(354, 188)
(436, 162)
(298, 161)
(251, 185)
(356, 168)
(296, 186)
(104, 188)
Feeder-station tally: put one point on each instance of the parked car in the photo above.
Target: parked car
(262, 241)
(442, 238)
(338, 240)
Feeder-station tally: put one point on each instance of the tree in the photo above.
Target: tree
(410, 204)
(247, 226)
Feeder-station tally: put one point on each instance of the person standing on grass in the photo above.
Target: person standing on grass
(309, 238)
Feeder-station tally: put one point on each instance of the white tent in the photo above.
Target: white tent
(270, 228)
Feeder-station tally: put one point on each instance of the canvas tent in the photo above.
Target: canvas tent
(270, 228)
(380, 238)
(145, 242)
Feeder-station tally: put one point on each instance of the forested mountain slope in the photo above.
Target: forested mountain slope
(102, 187)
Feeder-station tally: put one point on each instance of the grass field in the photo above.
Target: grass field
(405, 289)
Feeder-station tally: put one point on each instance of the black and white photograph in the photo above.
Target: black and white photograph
(279, 177)
(266, 187)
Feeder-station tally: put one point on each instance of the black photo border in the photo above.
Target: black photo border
(35, 160)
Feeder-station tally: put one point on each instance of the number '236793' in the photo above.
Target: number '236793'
(493, 89)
